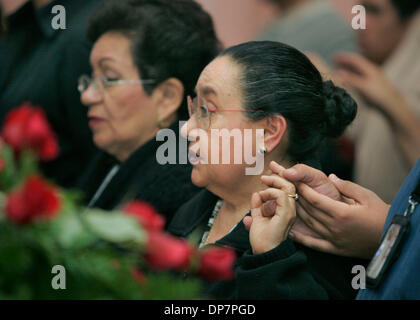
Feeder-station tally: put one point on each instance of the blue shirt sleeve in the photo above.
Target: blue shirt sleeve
(402, 280)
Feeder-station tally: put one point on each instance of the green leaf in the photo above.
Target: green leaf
(114, 227)
(28, 163)
(68, 228)
(164, 286)
(106, 272)
(8, 176)
(70, 232)
(2, 206)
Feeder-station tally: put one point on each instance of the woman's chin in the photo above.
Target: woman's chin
(197, 178)
(101, 142)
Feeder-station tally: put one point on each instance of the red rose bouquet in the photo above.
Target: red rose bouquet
(53, 248)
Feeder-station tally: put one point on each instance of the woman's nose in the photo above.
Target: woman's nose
(90, 96)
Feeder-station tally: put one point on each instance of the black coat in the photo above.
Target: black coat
(140, 177)
(41, 65)
(290, 271)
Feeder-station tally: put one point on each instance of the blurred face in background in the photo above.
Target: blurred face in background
(384, 30)
(121, 117)
(10, 6)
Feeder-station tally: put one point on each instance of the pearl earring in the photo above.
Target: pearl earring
(263, 150)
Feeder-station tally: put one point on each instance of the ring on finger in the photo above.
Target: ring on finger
(294, 196)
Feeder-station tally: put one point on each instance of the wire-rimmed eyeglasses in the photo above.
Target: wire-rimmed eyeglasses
(85, 81)
(198, 107)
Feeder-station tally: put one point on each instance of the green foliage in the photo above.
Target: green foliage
(9, 173)
(116, 228)
(167, 287)
(98, 249)
(101, 252)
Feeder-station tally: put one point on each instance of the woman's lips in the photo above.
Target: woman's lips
(95, 121)
(193, 157)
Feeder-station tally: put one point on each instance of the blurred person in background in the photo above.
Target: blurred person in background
(146, 58)
(386, 84)
(311, 26)
(41, 65)
(315, 26)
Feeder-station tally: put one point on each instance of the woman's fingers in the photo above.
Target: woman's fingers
(256, 200)
(269, 208)
(247, 221)
(278, 182)
(256, 203)
(286, 206)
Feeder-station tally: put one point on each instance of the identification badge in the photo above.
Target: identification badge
(388, 250)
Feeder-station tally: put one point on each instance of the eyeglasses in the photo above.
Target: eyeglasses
(198, 108)
(85, 81)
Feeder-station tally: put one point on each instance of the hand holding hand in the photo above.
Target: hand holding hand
(334, 215)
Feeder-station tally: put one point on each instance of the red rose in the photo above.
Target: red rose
(27, 127)
(167, 252)
(13, 131)
(149, 218)
(36, 199)
(16, 208)
(217, 263)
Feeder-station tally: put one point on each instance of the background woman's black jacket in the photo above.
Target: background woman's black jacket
(290, 271)
(141, 177)
(41, 65)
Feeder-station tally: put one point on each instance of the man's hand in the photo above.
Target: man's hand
(368, 80)
(336, 216)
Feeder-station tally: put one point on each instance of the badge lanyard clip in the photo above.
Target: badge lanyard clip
(392, 241)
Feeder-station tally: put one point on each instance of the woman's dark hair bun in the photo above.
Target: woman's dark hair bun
(280, 80)
(340, 109)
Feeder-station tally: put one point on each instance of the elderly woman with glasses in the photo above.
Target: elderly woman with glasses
(275, 93)
(146, 58)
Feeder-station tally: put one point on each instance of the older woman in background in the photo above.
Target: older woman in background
(146, 58)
